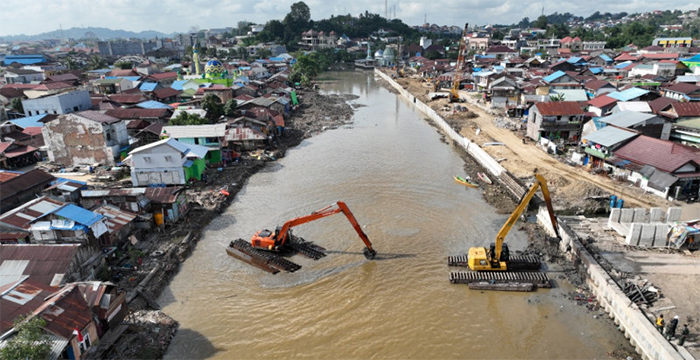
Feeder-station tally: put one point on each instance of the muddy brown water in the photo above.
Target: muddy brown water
(395, 174)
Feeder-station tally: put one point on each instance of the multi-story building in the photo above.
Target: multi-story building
(62, 103)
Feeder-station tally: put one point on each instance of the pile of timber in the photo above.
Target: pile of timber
(645, 294)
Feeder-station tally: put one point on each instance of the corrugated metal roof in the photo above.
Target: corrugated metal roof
(625, 119)
(629, 94)
(554, 76)
(609, 136)
(115, 218)
(181, 147)
(44, 262)
(195, 131)
(152, 104)
(97, 116)
(113, 192)
(164, 195)
(31, 121)
(664, 155)
(557, 108)
(147, 86)
(198, 151)
(20, 217)
(78, 214)
(571, 94)
(638, 106)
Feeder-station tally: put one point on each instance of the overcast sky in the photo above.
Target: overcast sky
(37, 16)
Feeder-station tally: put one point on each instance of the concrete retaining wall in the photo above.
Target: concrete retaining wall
(637, 328)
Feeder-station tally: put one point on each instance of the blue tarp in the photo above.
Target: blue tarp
(152, 104)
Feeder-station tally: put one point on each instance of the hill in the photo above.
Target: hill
(79, 33)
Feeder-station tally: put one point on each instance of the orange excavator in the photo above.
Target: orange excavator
(266, 247)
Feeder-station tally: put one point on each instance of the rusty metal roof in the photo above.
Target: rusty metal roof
(21, 216)
(20, 298)
(113, 192)
(164, 195)
(44, 263)
(664, 155)
(64, 311)
(556, 108)
(115, 217)
(7, 175)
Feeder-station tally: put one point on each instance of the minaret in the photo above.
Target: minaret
(195, 60)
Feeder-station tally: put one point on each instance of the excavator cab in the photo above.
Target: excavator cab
(264, 239)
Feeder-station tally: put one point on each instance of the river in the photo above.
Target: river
(395, 174)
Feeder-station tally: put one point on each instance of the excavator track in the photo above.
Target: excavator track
(306, 248)
(515, 263)
(270, 262)
(537, 279)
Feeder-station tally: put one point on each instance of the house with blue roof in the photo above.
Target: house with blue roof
(31, 121)
(152, 104)
(149, 86)
(631, 94)
(561, 80)
(69, 224)
(600, 60)
(166, 162)
(23, 59)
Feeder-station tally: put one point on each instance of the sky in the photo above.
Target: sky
(168, 16)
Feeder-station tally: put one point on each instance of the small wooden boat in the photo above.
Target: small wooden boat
(484, 178)
(466, 182)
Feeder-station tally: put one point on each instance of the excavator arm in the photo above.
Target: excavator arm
(276, 240)
(501, 236)
(459, 69)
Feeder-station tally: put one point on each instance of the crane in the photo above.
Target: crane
(497, 257)
(264, 246)
(459, 69)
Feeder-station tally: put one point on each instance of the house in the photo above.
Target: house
(601, 144)
(86, 137)
(167, 161)
(127, 199)
(65, 190)
(559, 120)
(148, 115)
(647, 124)
(632, 94)
(20, 218)
(18, 188)
(50, 265)
(574, 44)
(662, 167)
(596, 88)
(62, 103)
(24, 59)
(47, 89)
(120, 223)
(170, 202)
(501, 52)
(15, 154)
(561, 80)
(637, 106)
(212, 136)
(687, 131)
(679, 110)
(112, 85)
(503, 90)
(22, 76)
(165, 95)
(149, 134)
(682, 92)
(69, 224)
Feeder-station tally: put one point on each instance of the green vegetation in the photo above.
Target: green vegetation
(230, 107)
(17, 106)
(212, 104)
(29, 342)
(188, 119)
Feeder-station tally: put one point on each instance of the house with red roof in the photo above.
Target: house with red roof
(558, 121)
(574, 44)
(664, 168)
(601, 105)
(15, 155)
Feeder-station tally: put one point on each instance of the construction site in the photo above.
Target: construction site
(652, 279)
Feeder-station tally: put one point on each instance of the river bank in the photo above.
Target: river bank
(147, 331)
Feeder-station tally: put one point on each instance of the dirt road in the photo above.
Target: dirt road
(573, 187)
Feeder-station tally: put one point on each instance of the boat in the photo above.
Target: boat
(466, 182)
(484, 178)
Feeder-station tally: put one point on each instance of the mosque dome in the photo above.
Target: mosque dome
(389, 54)
(214, 69)
(379, 54)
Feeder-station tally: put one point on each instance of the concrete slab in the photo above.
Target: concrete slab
(647, 236)
(633, 235)
(660, 235)
(673, 214)
(626, 215)
(656, 215)
(614, 216)
(640, 215)
(621, 229)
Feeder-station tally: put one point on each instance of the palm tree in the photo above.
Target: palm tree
(96, 62)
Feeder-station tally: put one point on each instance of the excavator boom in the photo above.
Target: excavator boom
(257, 251)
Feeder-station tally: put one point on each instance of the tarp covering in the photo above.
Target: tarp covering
(683, 231)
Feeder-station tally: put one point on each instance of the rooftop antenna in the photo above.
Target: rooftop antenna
(386, 9)
(425, 18)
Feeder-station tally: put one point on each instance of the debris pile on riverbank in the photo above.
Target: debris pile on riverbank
(157, 256)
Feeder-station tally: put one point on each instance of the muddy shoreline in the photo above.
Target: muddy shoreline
(149, 330)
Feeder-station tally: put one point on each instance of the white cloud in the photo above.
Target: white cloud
(37, 16)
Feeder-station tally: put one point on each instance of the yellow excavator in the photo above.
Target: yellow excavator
(488, 263)
(459, 69)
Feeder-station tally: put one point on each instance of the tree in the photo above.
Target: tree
(71, 64)
(263, 53)
(230, 107)
(305, 70)
(212, 104)
(541, 22)
(123, 65)
(185, 118)
(524, 23)
(29, 342)
(17, 106)
(96, 62)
